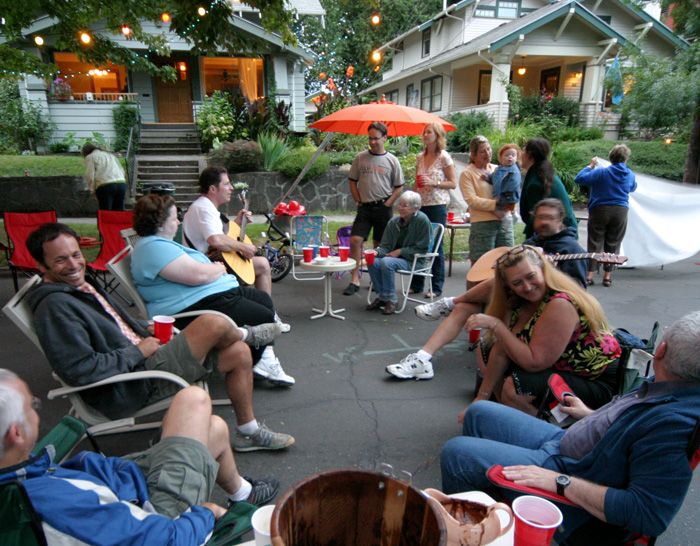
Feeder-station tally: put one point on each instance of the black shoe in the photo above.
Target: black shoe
(389, 308)
(376, 304)
(263, 491)
(351, 289)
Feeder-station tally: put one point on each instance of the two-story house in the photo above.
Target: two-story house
(267, 66)
(462, 59)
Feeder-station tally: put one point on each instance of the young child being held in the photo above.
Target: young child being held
(506, 181)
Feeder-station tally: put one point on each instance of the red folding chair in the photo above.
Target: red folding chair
(110, 223)
(496, 476)
(18, 226)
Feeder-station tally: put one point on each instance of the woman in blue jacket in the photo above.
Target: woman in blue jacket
(608, 205)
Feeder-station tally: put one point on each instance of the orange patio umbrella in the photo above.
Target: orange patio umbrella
(400, 120)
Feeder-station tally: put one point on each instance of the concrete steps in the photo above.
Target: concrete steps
(169, 139)
(182, 171)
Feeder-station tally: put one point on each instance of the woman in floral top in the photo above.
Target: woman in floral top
(435, 174)
(543, 322)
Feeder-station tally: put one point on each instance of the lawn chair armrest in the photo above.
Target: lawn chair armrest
(131, 376)
(496, 477)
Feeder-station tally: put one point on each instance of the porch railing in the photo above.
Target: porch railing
(98, 97)
(131, 148)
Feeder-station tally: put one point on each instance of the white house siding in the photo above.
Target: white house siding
(82, 119)
(476, 26)
(141, 84)
(465, 87)
(297, 95)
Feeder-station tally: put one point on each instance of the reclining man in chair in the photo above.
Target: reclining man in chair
(87, 337)
(625, 464)
(550, 234)
(136, 499)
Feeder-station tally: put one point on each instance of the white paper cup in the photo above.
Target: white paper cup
(261, 524)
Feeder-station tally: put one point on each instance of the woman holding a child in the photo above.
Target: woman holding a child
(435, 175)
(487, 231)
(541, 321)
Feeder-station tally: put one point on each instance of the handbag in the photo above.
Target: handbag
(469, 523)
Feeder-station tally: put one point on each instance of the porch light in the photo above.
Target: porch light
(375, 19)
(201, 11)
(522, 70)
(165, 17)
(38, 40)
(376, 56)
(85, 38)
(126, 30)
(182, 69)
(668, 140)
(578, 75)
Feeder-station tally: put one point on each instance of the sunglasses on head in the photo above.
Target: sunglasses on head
(509, 257)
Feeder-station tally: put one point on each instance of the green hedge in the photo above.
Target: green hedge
(293, 163)
(654, 158)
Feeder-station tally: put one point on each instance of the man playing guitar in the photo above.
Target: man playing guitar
(206, 229)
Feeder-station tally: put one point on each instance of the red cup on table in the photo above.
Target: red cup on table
(324, 251)
(450, 217)
(308, 254)
(369, 257)
(163, 328)
(420, 180)
(474, 335)
(536, 520)
(343, 253)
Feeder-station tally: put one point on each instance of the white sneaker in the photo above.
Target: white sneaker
(433, 311)
(271, 369)
(411, 367)
(284, 327)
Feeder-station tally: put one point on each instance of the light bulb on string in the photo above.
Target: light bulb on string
(38, 40)
(85, 38)
(201, 11)
(126, 30)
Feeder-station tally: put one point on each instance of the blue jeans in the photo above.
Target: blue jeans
(438, 215)
(496, 434)
(382, 273)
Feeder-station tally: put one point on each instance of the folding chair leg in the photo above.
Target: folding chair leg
(14, 279)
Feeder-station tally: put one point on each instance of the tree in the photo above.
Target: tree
(349, 38)
(206, 34)
(686, 17)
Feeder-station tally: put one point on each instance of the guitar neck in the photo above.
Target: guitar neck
(244, 219)
(600, 257)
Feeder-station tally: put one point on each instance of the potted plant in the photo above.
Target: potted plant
(62, 89)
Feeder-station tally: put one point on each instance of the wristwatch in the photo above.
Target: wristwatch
(563, 481)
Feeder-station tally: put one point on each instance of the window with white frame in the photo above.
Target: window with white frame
(392, 95)
(431, 94)
(425, 49)
(412, 95)
(485, 12)
(507, 10)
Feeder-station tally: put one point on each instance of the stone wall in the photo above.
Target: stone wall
(66, 195)
(327, 192)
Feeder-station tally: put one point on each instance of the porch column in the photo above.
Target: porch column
(591, 97)
(498, 97)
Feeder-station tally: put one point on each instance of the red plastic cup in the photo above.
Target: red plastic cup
(308, 254)
(419, 181)
(536, 520)
(474, 335)
(344, 253)
(369, 256)
(450, 217)
(163, 328)
(325, 251)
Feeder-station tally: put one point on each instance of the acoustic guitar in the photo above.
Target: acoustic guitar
(483, 269)
(240, 266)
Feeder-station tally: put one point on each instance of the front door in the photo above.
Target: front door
(549, 81)
(175, 98)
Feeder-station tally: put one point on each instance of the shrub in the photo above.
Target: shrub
(273, 148)
(238, 156)
(215, 119)
(518, 134)
(575, 134)
(408, 165)
(342, 142)
(125, 115)
(341, 158)
(468, 125)
(292, 165)
(59, 147)
(22, 124)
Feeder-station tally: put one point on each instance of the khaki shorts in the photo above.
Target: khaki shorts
(180, 472)
(176, 357)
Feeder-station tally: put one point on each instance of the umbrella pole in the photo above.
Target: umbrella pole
(308, 165)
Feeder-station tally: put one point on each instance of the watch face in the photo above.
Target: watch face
(563, 482)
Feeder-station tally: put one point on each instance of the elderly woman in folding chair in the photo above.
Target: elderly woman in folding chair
(405, 235)
(543, 322)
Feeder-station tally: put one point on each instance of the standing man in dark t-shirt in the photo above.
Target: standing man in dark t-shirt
(376, 181)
